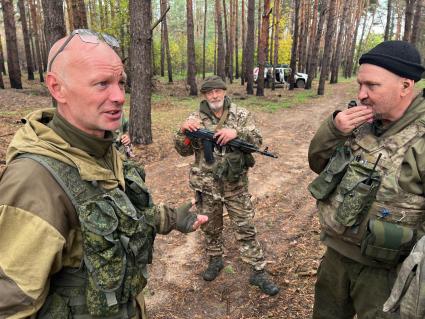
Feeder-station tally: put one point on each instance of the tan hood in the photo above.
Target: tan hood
(37, 138)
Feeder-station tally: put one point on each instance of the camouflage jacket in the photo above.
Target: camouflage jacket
(399, 203)
(40, 232)
(201, 173)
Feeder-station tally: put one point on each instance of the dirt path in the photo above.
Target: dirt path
(285, 215)
(285, 220)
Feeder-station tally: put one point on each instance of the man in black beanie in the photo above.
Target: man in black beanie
(371, 186)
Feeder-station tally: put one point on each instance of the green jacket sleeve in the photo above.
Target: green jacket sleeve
(323, 144)
(184, 149)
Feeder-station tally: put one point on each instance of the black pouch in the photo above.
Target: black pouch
(387, 242)
(357, 192)
(324, 184)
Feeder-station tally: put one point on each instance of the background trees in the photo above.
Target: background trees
(318, 37)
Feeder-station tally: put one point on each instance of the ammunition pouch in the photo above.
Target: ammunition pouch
(343, 212)
(387, 242)
(355, 195)
(324, 184)
(233, 165)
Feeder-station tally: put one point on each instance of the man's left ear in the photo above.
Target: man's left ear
(55, 87)
(407, 86)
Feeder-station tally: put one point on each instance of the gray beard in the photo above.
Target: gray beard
(216, 106)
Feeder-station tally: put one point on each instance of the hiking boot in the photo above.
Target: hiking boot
(259, 278)
(214, 267)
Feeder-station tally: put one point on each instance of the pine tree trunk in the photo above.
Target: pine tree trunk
(262, 49)
(226, 34)
(102, 15)
(360, 46)
(37, 39)
(26, 37)
(191, 63)
(301, 36)
(337, 60)
(204, 38)
(258, 27)
(221, 62)
(408, 19)
(243, 67)
(162, 63)
(141, 71)
(276, 39)
(231, 41)
(293, 64)
(314, 57)
(11, 44)
(350, 58)
(54, 21)
(167, 46)
(330, 30)
(249, 48)
(312, 38)
(387, 35)
(417, 26)
(399, 20)
(237, 39)
(2, 66)
(70, 15)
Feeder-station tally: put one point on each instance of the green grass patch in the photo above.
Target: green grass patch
(229, 270)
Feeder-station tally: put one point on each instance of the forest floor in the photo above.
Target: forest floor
(285, 217)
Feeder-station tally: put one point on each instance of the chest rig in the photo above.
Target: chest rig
(118, 231)
(386, 218)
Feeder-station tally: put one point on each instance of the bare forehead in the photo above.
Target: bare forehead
(81, 55)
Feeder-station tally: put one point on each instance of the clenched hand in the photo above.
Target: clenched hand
(346, 121)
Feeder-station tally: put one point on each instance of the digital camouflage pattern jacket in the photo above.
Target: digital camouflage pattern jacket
(40, 232)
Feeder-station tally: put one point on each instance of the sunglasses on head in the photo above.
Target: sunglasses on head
(87, 36)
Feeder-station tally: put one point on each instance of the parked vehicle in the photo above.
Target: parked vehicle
(281, 75)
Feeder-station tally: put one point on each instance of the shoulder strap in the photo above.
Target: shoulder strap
(222, 119)
(77, 190)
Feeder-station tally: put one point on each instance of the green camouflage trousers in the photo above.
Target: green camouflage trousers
(345, 287)
(241, 213)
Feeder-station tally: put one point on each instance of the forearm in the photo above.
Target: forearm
(323, 144)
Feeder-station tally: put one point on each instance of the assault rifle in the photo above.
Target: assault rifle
(209, 142)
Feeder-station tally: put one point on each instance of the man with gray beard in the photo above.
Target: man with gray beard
(224, 181)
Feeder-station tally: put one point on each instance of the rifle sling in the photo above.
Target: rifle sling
(222, 119)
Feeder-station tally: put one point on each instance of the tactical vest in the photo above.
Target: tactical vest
(368, 208)
(118, 231)
(228, 164)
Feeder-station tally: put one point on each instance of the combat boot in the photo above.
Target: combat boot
(214, 267)
(259, 278)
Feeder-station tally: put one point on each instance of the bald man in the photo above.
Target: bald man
(77, 224)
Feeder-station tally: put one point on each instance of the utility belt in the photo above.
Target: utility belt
(346, 192)
(67, 298)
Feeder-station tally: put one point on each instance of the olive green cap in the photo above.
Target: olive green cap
(213, 82)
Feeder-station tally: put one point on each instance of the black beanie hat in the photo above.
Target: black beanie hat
(398, 57)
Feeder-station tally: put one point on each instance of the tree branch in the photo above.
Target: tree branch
(160, 18)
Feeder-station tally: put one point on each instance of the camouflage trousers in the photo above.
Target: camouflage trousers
(241, 213)
(345, 287)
